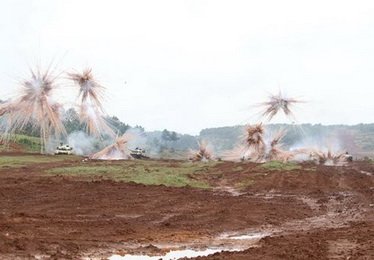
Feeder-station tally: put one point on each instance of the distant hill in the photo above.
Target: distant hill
(357, 139)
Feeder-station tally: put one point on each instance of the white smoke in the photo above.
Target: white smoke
(52, 144)
(139, 138)
(321, 143)
(82, 143)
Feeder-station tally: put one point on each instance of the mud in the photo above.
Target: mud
(315, 212)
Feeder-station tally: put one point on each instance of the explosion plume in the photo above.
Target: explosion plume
(253, 146)
(254, 139)
(89, 87)
(5, 122)
(116, 151)
(203, 154)
(35, 107)
(329, 158)
(276, 153)
(5, 108)
(91, 112)
(278, 103)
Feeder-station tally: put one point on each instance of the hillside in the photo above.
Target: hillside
(357, 139)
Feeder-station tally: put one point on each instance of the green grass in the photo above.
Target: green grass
(28, 143)
(144, 172)
(279, 166)
(25, 160)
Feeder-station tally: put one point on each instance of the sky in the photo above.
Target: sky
(195, 64)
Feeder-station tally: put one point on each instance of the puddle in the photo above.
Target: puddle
(232, 191)
(367, 173)
(172, 255)
(272, 195)
(130, 216)
(248, 237)
(230, 242)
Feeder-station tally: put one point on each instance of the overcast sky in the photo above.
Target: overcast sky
(189, 65)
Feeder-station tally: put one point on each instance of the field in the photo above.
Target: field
(65, 207)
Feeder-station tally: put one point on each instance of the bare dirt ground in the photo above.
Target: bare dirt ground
(316, 212)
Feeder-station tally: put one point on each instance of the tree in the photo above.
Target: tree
(118, 126)
(71, 121)
(168, 136)
(140, 128)
(165, 136)
(174, 137)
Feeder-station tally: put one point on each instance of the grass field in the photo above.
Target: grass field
(147, 172)
(174, 174)
(26, 143)
(279, 166)
(29, 160)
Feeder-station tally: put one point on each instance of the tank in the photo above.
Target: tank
(138, 153)
(64, 149)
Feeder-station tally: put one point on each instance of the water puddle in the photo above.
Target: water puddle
(248, 237)
(231, 190)
(229, 242)
(172, 255)
(367, 173)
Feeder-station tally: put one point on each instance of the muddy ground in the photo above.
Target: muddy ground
(315, 212)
